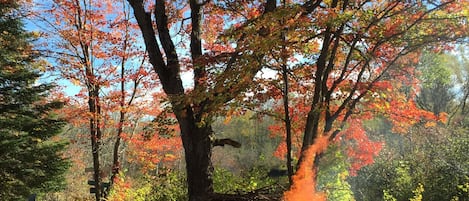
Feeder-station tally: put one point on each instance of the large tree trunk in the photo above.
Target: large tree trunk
(199, 166)
(198, 152)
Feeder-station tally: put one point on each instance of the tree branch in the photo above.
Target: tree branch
(226, 141)
(169, 79)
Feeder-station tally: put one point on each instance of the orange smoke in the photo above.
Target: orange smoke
(304, 183)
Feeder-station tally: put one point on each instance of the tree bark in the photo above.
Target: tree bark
(95, 136)
(198, 153)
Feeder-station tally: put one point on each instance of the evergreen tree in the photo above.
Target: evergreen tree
(30, 160)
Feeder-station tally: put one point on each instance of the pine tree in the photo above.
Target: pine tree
(30, 160)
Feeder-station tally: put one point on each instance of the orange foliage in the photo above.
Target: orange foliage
(121, 187)
(298, 112)
(304, 183)
(402, 111)
(360, 149)
(443, 117)
(150, 152)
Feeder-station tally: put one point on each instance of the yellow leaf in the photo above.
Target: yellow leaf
(430, 124)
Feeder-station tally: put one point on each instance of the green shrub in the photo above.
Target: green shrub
(255, 178)
(169, 187)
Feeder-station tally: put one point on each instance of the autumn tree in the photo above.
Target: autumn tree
(363, 46)
(90, 45)
(32, 160)
(362, 57)
(214, 85)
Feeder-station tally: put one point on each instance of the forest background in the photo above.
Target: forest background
(235, 100)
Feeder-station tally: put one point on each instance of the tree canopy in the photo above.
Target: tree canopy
(323, 69)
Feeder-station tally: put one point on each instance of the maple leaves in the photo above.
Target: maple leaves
(360, 148)
(298, 114)
(154, 151)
